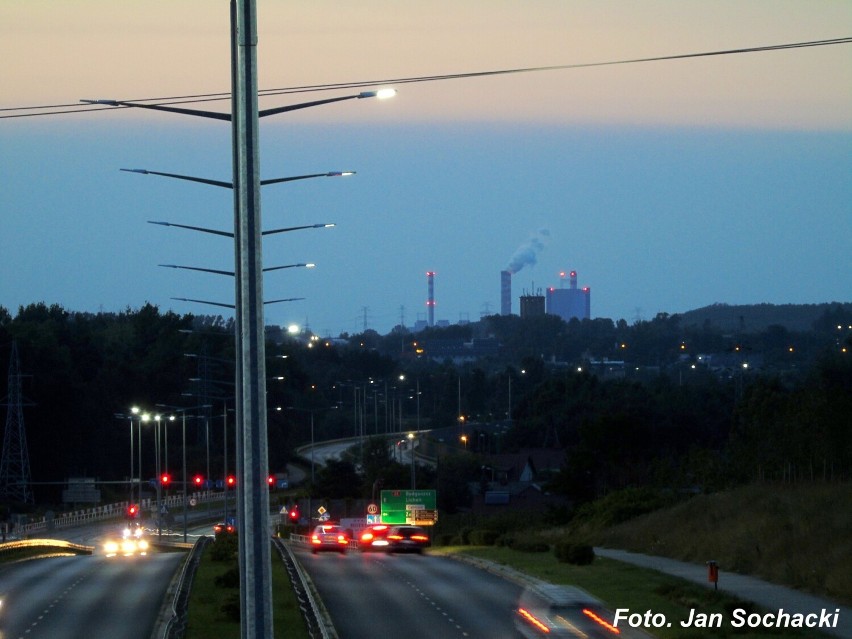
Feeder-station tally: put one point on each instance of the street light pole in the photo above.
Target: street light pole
(411, 452)
(252, 446)
(158, 478)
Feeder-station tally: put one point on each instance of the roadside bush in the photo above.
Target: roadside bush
(529, 545)
(621, 505)
(228, 579)
(444, 539)
(231, 607)
(483, 537)
(576, 554)
(224, 548)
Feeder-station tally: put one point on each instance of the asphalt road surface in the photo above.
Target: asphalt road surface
(372, 595)
(85, 597)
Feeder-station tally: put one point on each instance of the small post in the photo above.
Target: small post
(713, 574)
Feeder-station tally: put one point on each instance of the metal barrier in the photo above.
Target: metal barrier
(43, 546)
(106, 512)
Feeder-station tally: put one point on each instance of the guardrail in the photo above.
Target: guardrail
(106, 512)
(29, 547)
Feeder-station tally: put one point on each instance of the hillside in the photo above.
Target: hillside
(795, 535)
(753, 318)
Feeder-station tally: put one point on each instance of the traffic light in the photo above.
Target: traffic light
(132, 511)
(198, 481)
(270, 481)
(165, 479)
(294, 514)
(231, 481)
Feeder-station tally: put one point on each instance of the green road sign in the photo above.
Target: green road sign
(409, 507)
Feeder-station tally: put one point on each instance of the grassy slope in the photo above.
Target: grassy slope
(799, 536)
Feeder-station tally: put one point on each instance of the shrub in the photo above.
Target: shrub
(228, 579)
(231, 607)
(483, 537)
(444, 539)
(224, 548)
(576, 554)
(529, 545)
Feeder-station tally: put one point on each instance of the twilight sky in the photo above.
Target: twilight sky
(667, 185)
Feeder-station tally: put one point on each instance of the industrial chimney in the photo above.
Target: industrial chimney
(430, 300)
(505, 292)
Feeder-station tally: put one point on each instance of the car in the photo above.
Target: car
(223, 529)
(374, 537)
(407, 539)
(329, 537)
(549, 610)
(130, 542)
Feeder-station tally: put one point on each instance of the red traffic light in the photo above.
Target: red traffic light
(165, 479)
(232, 481)
(270, 481)
(132, 510)
(294, 514)
(198, 480)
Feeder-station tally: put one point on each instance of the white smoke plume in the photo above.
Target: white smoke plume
(527, 253)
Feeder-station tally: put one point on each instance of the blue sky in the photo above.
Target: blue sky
(667, 186)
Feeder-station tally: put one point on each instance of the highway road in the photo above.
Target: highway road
(85, 597)
(372, 595)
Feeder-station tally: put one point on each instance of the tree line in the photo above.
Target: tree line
(678, 424)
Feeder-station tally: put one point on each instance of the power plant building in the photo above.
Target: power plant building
(571, 302)
(532, 306)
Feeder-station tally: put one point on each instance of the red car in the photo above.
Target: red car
(374, 537)
(329, 537)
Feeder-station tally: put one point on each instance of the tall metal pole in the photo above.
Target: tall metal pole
(139, 455)
(252, 449)
(183, 436)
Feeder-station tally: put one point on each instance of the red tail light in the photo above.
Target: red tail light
(526, 614)
(419, 537)
(601, 621)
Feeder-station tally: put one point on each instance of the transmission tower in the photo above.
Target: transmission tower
(15, 464)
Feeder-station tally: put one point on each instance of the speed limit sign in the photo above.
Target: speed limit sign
(372, 509)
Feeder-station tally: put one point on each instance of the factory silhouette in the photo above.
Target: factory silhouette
(567, 303)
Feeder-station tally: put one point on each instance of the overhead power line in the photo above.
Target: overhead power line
(64, 109)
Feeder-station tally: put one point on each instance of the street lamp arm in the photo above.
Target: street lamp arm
(297, 228)
(198, 268)
(278, 268)
(304, 105)
(159, 107)
(189, 178)
(185, 299)
(194, 228)
(230, 185)
(381, 94)
(231, 273)
(305, 177)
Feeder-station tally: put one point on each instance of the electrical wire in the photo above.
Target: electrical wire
(62, 109)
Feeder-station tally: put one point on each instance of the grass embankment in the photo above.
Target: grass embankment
(622, 585)
(797, 536)
(214, 601)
